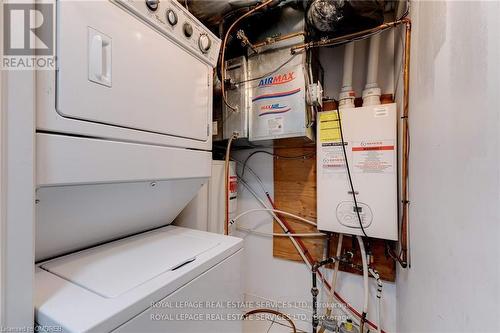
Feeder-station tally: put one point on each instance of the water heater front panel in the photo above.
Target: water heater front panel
(370, 141)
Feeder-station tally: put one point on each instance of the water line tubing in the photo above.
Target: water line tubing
(365, 282)
(334, 278)
(281, 212)
(305, 255)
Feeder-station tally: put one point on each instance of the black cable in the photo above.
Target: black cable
(349, 174)
(274, 155)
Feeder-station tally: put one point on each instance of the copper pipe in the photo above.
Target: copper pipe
(226, 184)
(345, 38)
(271, 40)
(405, 149)
(223, 50)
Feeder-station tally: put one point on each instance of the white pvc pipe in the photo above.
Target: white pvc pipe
(276, 234)
(281, 212)
(336, 268)
(346, 96)
(373, 60)
(371, 93)
(348, 67)
(364, 259)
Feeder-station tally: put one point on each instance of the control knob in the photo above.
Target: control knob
(171, 17)
(204, 43)
(152, 4)
(188, 30)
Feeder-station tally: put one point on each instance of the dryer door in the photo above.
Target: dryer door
(114, 69)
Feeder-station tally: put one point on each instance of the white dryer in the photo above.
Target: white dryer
(132, 73)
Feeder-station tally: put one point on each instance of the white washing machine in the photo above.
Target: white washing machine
(123, 144)
(168, 280)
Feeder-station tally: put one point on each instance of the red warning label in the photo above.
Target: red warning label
(374, 156)
(233, 186)
(373, 148)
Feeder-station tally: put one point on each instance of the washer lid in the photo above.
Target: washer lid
(115, 268)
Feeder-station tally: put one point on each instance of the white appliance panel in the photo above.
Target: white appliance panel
(226, 285)
(148, 82)
(71, 218)
(115, 268)
(217, 267)
(370, 136)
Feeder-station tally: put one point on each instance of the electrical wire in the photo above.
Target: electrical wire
(275, 211)
(356, 207)
(259, 180)
(297, 157)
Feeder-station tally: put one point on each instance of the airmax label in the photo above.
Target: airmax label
(273, 109)
(277, 79)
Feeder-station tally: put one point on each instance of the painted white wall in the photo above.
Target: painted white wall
(453, 283)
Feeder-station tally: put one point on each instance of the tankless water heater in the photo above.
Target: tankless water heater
(370, 142)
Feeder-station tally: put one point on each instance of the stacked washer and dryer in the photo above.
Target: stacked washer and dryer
(123, 144)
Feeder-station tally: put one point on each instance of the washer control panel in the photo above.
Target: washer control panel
(347, 216)
(169, 18)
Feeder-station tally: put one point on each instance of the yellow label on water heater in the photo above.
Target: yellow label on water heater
(329, 127)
